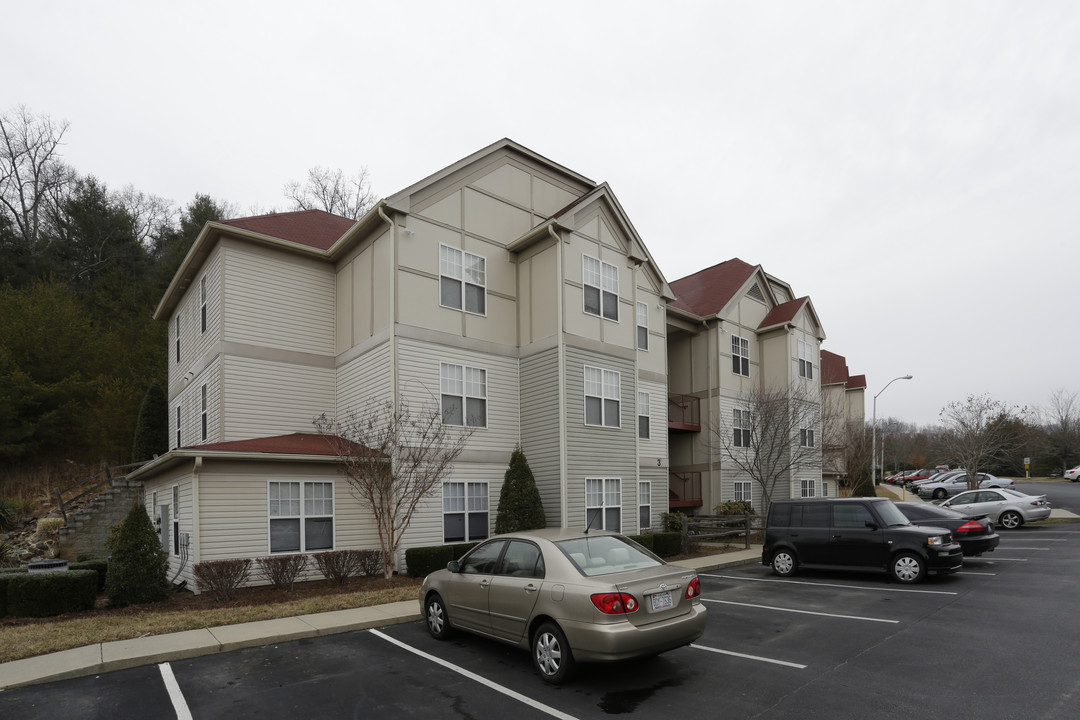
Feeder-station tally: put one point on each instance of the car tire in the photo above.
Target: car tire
(940, 494)
(908, 568)
(436, 618)
(551, 654)
(784, 563)
(1010, 520)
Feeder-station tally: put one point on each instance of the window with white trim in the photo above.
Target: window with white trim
(203, 413)
(642, 326)
(177, 337)
(176, 520)
(740, 422)
(465, 511)
(806, 360)
(744, 491)
(464, 395)
(602, 395)
(824, 489)
(643, 415)
(644, 505)
(603, 504)
(462, 280)
(807, 488)
(202, 306)
(301, 516)
(740, 356)
(806, 435)
(177, 426)
(601, 286)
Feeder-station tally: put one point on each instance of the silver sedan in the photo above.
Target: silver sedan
(959, 483)
(1008, 508)
(568, 596)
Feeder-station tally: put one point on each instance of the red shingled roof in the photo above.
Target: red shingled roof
(294, 444)
(783, 313)
(707, 291)
(856, 382)
(834, 368)
(313, 228)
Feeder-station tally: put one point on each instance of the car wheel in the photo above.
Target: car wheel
(908, 568)
(551, 654)
(438, 622)
(784, 563)
(940, 494)
(1010, 520)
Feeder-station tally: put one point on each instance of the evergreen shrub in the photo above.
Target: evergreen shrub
(520, 507)
(138, 568)
(50, 593)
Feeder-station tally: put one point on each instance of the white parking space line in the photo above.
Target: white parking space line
(801, 612)
(175, 695)
(835, 585)
(966, 572)
(1001, 559)
(482, 680)
(1017, 547)
(748, 657)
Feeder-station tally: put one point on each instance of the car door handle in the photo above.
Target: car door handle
(837, 537)
(530, 588)
(485, 582)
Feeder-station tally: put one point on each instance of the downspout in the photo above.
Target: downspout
(564, 500)
(193, 541)
(394, 394)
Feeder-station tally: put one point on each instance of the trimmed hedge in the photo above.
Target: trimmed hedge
(666, 544)
(101, 567)
(6, 574)
(51, 593)
(645, 541)
(421, 561)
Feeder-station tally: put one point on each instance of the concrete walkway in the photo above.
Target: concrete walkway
(121, 654)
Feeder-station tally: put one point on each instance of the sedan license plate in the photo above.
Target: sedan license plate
(661, 601)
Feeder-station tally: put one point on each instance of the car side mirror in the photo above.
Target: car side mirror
(453, 566)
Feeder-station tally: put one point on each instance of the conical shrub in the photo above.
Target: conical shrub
(138, 567)
(520, 507)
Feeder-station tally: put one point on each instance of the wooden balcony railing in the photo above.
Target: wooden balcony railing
(684, 489)
(684, 413)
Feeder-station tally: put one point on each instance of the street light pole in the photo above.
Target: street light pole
(873, 432)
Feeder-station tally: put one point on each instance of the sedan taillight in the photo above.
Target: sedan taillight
(615, 603)
(693, 589)
(970, 526)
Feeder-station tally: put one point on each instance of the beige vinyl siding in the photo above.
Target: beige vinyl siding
(540, 387)
(163, 485)
(657, 444)
(280, 301)
(264, 398)
(195, 345)
(189, 400)
(419, 364)
(363, 379)
(600, 452)
(659, 492)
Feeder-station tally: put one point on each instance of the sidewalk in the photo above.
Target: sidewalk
(122, 654)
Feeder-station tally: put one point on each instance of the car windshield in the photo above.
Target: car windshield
(604, 554)
(891, 514)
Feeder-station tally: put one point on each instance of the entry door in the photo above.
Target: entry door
(854, 542)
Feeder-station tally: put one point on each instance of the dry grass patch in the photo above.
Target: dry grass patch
(26, 637)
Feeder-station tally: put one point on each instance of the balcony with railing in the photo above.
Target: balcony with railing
(684, 413)
(684, 489)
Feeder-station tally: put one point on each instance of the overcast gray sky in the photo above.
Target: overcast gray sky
(913, 167)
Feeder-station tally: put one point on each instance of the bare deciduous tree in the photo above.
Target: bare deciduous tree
(1062, 422)
(31, 173)
(331, 191)
(393, 458)
(979, 430)
(763, 438)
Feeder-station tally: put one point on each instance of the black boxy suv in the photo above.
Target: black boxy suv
(855, 534)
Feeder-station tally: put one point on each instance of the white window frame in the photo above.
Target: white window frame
(806, 360)
(740, 356)
(642, 326)
(178, 414)
(744, 491)
(603, 278)
(178, 337)
(473, 500)
(824, 488)
(467, 270)
(806, 436)
(203, 414)
(807, 488)
(606, 500)
(176, 520)
(305, 510)
(202, 306)
(644, 504)
(606, 386)
(741, 424)
(643, 415)
(463, 383)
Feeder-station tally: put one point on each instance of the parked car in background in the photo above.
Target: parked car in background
(913, 486)
(1073, 474)
(1006, 508)
(955, 484)
(898, 478)
(976, 534)
(567, 595)
(855, 534)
